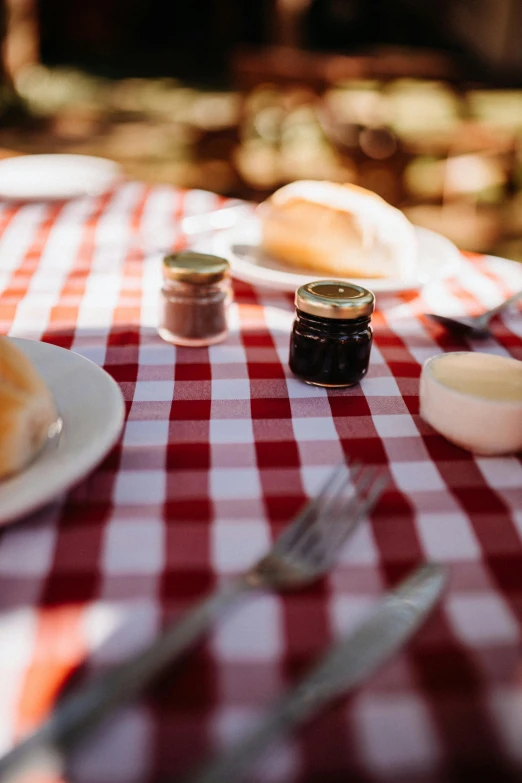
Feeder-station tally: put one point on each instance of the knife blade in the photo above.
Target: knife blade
(348, 663)
(224, 217)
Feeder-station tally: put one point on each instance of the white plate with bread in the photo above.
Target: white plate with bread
(60, 414)
(310, 230)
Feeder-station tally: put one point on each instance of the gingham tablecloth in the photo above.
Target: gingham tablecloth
(220, 449)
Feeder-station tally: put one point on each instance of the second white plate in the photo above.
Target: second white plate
(438, 259)
(91, 406)
(55, 177)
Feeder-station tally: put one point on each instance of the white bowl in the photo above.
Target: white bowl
(475, 400)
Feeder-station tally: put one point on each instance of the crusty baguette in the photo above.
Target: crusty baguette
(27, 409)
(337, 230)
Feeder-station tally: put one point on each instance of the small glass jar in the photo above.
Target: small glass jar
(195, 296)
(332, 337)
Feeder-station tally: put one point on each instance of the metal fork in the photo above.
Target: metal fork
(473, 326)
(303, 552)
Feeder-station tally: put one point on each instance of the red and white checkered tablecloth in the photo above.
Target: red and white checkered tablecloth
(220, 449)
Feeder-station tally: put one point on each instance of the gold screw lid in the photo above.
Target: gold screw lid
(335, 299)
(198, 268)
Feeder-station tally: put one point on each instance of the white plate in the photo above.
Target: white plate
(91, 406)
(55, 177)
(438, 259)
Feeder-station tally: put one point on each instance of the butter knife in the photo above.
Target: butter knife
(199, 225)
(348, 663)
(223, 217)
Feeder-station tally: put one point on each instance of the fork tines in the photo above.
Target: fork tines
(348, 495)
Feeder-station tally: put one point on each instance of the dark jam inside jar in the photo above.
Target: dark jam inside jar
(330, 351)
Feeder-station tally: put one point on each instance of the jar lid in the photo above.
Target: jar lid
(198, 268)
(335, 299)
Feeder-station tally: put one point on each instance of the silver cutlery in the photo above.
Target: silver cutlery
(473, 326)
(345, 666)
(305, 551)
(224, 217)
(194, 225)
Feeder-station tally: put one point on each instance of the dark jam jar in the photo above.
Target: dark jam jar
(332, 337)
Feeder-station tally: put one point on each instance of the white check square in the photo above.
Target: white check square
(315, 428)
(251, 633)
(134, 547)
(231, 431)
(447, 536)
(115, 630)
(146, 433)
(137, 487)
(421, 354)
(236, 545)
(517, 519)
(314, 477)
(396, 735)
(17, 636)
(360, 549)
(17, 641)
(120, 752)
(506, 706)
(234, 483)
(376, 356)
(157, 354)
(399, 425)
(482, 618)
(380, 387)
(231, 389)
(298, 389)
(417, 476)
(227, 354)
(27, 550)
(349, 610)
(154, 391)
(501, 472)
(230, 723)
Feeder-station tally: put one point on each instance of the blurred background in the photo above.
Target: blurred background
(419, 100)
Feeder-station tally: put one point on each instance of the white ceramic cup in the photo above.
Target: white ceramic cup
(475, 400)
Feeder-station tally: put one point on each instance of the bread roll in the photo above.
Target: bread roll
(27, 409)
(337, 230)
